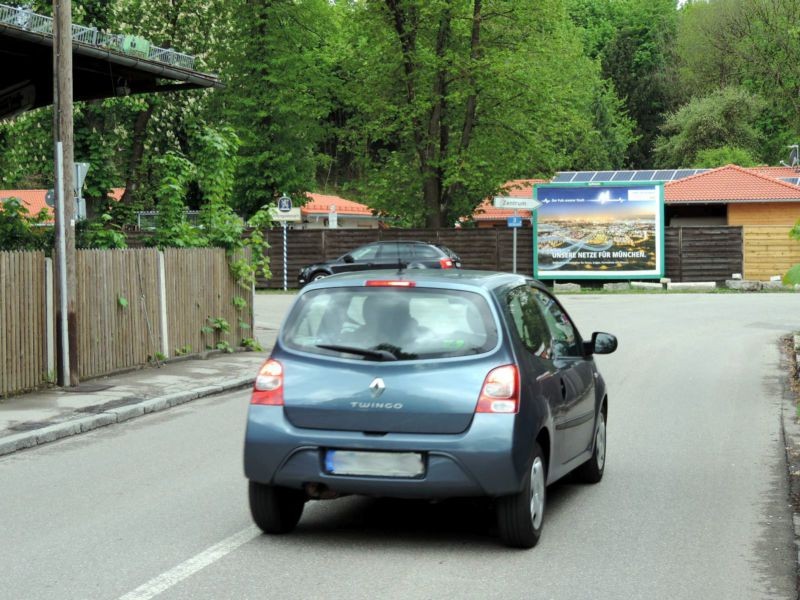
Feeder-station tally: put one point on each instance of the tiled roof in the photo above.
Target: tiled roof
(729, 184)
(776, 172)
(33, 200)
(320, 204)
(516, 188)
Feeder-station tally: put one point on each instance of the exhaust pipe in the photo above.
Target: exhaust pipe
(320, 491)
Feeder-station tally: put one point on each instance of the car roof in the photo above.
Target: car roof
(461, 278)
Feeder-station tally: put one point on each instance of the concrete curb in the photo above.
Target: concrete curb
(791, 439)
(82, 424)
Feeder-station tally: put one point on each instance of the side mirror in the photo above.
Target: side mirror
(602, 343)
(347, 258)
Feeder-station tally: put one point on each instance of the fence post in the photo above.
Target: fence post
(496, 248)
(50, 328)
(162, 303)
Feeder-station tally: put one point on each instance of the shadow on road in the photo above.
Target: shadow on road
(359, 520)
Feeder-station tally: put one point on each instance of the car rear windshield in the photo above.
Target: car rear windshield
(383, 323)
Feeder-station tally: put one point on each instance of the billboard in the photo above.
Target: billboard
(599, 231)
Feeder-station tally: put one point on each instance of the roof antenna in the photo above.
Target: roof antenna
(794, 156)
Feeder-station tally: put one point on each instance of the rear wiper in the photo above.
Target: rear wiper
(371, 354)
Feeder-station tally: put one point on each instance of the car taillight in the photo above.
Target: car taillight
(500, 392)
(446, 263)
(269, 384)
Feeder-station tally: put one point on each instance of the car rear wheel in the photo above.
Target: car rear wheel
(592, 470)
(520, 517)
(275, 509)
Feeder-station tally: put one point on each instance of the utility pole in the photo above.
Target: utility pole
(66, 281)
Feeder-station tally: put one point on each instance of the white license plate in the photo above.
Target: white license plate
(374, 464)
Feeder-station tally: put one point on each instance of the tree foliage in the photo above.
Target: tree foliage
(443, 102)
(19, 230)
(633, 40)
(724, 118)
(419, 108)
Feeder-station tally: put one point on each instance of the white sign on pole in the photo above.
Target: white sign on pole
(289, 216)
(516, 203)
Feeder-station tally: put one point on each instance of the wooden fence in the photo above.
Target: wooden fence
(692, 253)
(200, 294)
(23, 322)
(132, 306)
(768, 251)
(489, 249)
(126, 319)
(702, 253)
(117, 308)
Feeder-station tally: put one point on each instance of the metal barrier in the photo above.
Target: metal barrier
(25, 18)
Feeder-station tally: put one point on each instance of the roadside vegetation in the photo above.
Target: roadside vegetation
(421, 108)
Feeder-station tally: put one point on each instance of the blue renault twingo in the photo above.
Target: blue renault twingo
(426, 384)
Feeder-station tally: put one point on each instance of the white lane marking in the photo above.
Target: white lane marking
(191, 566)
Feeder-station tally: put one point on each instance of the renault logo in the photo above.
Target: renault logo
(377, 387)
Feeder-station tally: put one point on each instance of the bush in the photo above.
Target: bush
(19, 230)
(792, 276)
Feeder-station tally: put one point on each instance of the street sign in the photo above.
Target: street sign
(50, 198)
(514, 221)
(284, 204)
(289, 216)
(81, 169)
(517, 203)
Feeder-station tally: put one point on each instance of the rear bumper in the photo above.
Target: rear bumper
(478, 462)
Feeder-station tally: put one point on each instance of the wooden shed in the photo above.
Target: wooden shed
(764, 201)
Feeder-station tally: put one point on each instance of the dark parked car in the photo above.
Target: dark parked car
(426, 384)
(383, 255)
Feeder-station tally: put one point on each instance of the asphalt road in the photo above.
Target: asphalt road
(693, 504)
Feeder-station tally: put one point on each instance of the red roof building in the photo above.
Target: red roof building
(349, 214)
(732, 195)
(34, 200)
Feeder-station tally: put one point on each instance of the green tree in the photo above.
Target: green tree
(726, 117)
(441, 103)
(633, 40)
(19, 230)
(727, 155)
(278, 82)
(753, 44)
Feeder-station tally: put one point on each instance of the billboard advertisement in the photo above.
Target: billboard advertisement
(599, 231)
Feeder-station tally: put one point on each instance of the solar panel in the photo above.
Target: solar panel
(583, 176)
(603, 176)
(666, 175)
(564, 177)
(643, 175)
(623, 175)
(681, 173)
(792, 180)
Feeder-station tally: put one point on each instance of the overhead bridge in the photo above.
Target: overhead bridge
(105, 65)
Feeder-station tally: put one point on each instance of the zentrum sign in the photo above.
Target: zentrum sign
(606, 231)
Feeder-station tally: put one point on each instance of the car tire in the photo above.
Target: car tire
(520, 516)
(319, 275)
(275, 509)
(592, 470)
